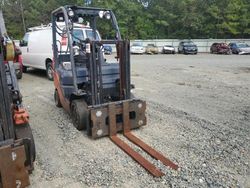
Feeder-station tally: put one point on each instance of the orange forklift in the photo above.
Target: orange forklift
(93, 90)
(17, 147)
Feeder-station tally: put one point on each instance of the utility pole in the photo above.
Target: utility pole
(22, 15)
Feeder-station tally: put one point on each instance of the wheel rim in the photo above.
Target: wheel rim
(50, 72)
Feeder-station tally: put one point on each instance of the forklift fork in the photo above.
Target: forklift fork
(13, 172)
(152, 169)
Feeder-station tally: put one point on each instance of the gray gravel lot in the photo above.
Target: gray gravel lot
(198, 110)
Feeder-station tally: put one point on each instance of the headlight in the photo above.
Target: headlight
(101, 13)
(107, 15)
(71, 13)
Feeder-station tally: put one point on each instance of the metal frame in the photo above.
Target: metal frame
(15, 155)
(112, 117)
(95, 65)
(6, 126)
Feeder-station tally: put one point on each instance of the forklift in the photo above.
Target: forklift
(17, 147)
(94, 91)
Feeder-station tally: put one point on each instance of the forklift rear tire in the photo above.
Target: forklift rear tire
(24, 131)
(57, 99)
(79, 114)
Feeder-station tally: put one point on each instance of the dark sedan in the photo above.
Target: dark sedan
(220, 48)
(187, 47)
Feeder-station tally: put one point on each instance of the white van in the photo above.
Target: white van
(36, 46)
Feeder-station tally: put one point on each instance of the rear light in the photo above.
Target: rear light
(64, 40)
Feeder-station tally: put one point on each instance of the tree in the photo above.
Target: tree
(145, 19)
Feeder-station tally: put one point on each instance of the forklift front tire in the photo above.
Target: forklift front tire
(79, 114)
(57, 99)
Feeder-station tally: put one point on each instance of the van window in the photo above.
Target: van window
(25, 40)
(77, 35)
(90, 34)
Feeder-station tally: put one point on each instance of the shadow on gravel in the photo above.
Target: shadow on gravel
(245, 69)
(37, 72)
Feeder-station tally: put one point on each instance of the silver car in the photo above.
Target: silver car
(240, 48)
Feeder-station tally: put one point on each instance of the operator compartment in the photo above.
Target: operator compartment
(110, 75)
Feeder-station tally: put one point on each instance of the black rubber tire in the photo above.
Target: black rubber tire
(79, 114)
(49, 71)
(25, 69)
(19, 75)
(24, 131)
(57, 99)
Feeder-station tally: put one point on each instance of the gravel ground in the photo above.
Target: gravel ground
(198, 110)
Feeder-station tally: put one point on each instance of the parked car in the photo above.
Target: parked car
(36, 46)
(107, 49)
(240, 48)
(220, 48)
(187, 47)
(168, 49)
(137, 48)
(151, 49)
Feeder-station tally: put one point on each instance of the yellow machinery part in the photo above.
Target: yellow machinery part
(10, 51)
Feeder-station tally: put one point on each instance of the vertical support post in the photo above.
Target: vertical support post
(112, 119)
(124, 50)
(94, 69)
(125, 116)
(121, 63)
(127, 68)
(100, 81)
(7, 127)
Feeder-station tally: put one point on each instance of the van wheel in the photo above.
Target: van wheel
(49, 71)
(79, 114)
(25, 69)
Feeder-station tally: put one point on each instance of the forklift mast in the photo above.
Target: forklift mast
(7, 127)
(93, 47)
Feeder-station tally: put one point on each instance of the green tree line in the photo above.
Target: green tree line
(145, 19)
